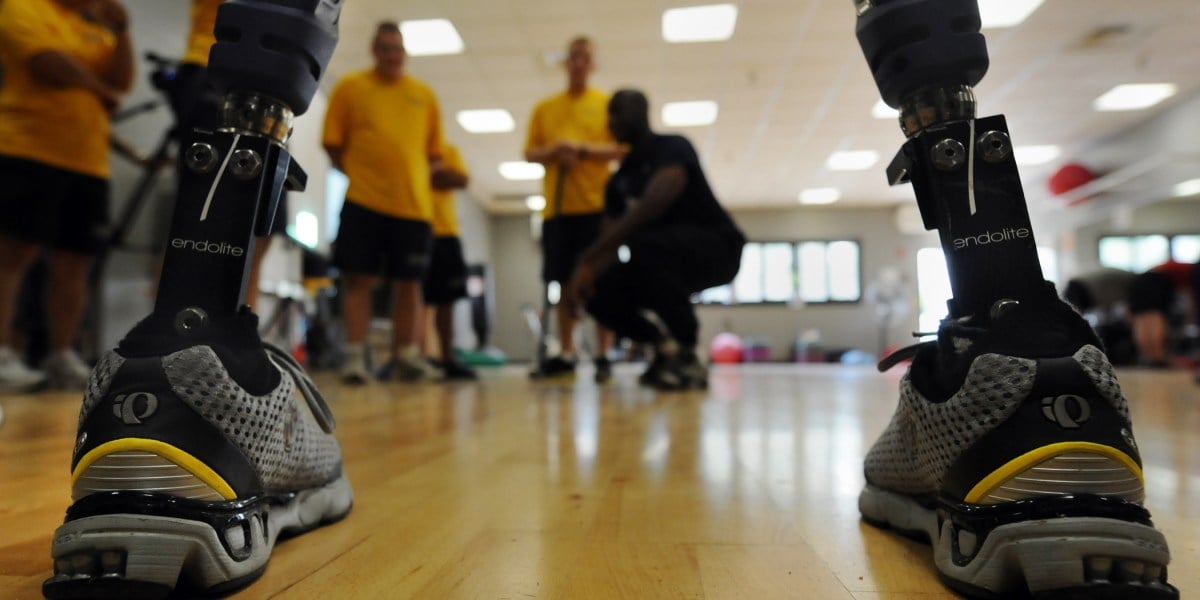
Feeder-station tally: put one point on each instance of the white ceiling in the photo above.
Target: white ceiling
(792, 84)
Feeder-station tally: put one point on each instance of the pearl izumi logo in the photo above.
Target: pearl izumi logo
(207, 247)
(992, 237)
(1069, 412)
(134, 408)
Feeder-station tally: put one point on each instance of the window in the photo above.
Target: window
(814, 272)
(1140, 253)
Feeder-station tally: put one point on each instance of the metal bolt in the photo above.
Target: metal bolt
(201, 157)
(948, 154)
(246, 164)
(863, 6)
(995, 146)
(191, 320)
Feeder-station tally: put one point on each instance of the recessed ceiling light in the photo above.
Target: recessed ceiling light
(689, 114)
(1133, 96)
(1006, 13)
(820, 196)
(710, 23)
(487, 120)
(1035, 155)
(1190, 187)
(882, 111)
(519, 170)
(429, 37)
(535, 203)
(852, 160)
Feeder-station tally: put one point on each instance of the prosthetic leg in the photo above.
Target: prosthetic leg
(1011, 450)
(199, 445)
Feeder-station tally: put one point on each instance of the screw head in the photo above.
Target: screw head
(201, 157)
(995, 146)
(245, 164)
(948, 154)
(190, 321)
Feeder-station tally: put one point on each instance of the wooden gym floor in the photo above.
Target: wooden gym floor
(510, 489)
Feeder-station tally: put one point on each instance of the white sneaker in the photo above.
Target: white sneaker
(14, 375)
(65, 370)
(354, 369)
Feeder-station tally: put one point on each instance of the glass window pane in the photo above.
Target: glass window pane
(777, 261)
(1150, 251)
(843, 271)
(1116, 253)
(748, 285)
(814, 277)
(1185, 248)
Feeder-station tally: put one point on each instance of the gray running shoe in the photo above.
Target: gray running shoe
(1012, 453)
(189, 465)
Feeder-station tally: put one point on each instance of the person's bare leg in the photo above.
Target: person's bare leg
(566, 331)
(16, 256)
(261, 246)
(604, 341)
(407, 311)
(356, 307)
(67, 297)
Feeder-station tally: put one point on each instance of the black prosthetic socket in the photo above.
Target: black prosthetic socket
(277, 48)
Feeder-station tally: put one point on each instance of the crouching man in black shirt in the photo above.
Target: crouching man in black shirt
(680, 241)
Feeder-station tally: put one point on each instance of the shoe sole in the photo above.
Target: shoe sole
(1051, 558)
(145, 555)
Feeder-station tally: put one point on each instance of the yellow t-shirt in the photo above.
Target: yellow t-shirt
(445, 216)
(388, 132)
(201, 38)
(576, 119)
(64, 127)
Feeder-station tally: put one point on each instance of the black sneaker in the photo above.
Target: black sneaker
(683, 371)
(456, 371)
(192, 459)
(554, 368)
(1012, 453)
(603, 370)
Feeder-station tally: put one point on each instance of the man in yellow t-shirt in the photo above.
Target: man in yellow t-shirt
(66, 65)
(446, 281)
(383, 129)
(568, 133)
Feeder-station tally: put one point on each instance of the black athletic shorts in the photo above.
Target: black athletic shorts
(446, 280)
(1150, 292)
(373, 243)
(563, 241)
(47, 205)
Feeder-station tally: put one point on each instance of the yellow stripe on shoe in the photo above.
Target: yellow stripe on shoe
(1063, 468)
(168, 452)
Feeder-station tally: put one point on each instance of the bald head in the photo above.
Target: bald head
(628, 115)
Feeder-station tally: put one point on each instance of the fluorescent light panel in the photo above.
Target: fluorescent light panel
(712, 23)
(1006, 13)
(535, 203)
(486, 120)
(1030, 156)
(521, 171)
(1133, 96)
(430, 37)
(1190, 187)
(820, 196)
(852, 160)
(689, 114)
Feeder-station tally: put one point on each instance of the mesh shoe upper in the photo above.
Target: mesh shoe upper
(924, 437)
(276, 432)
